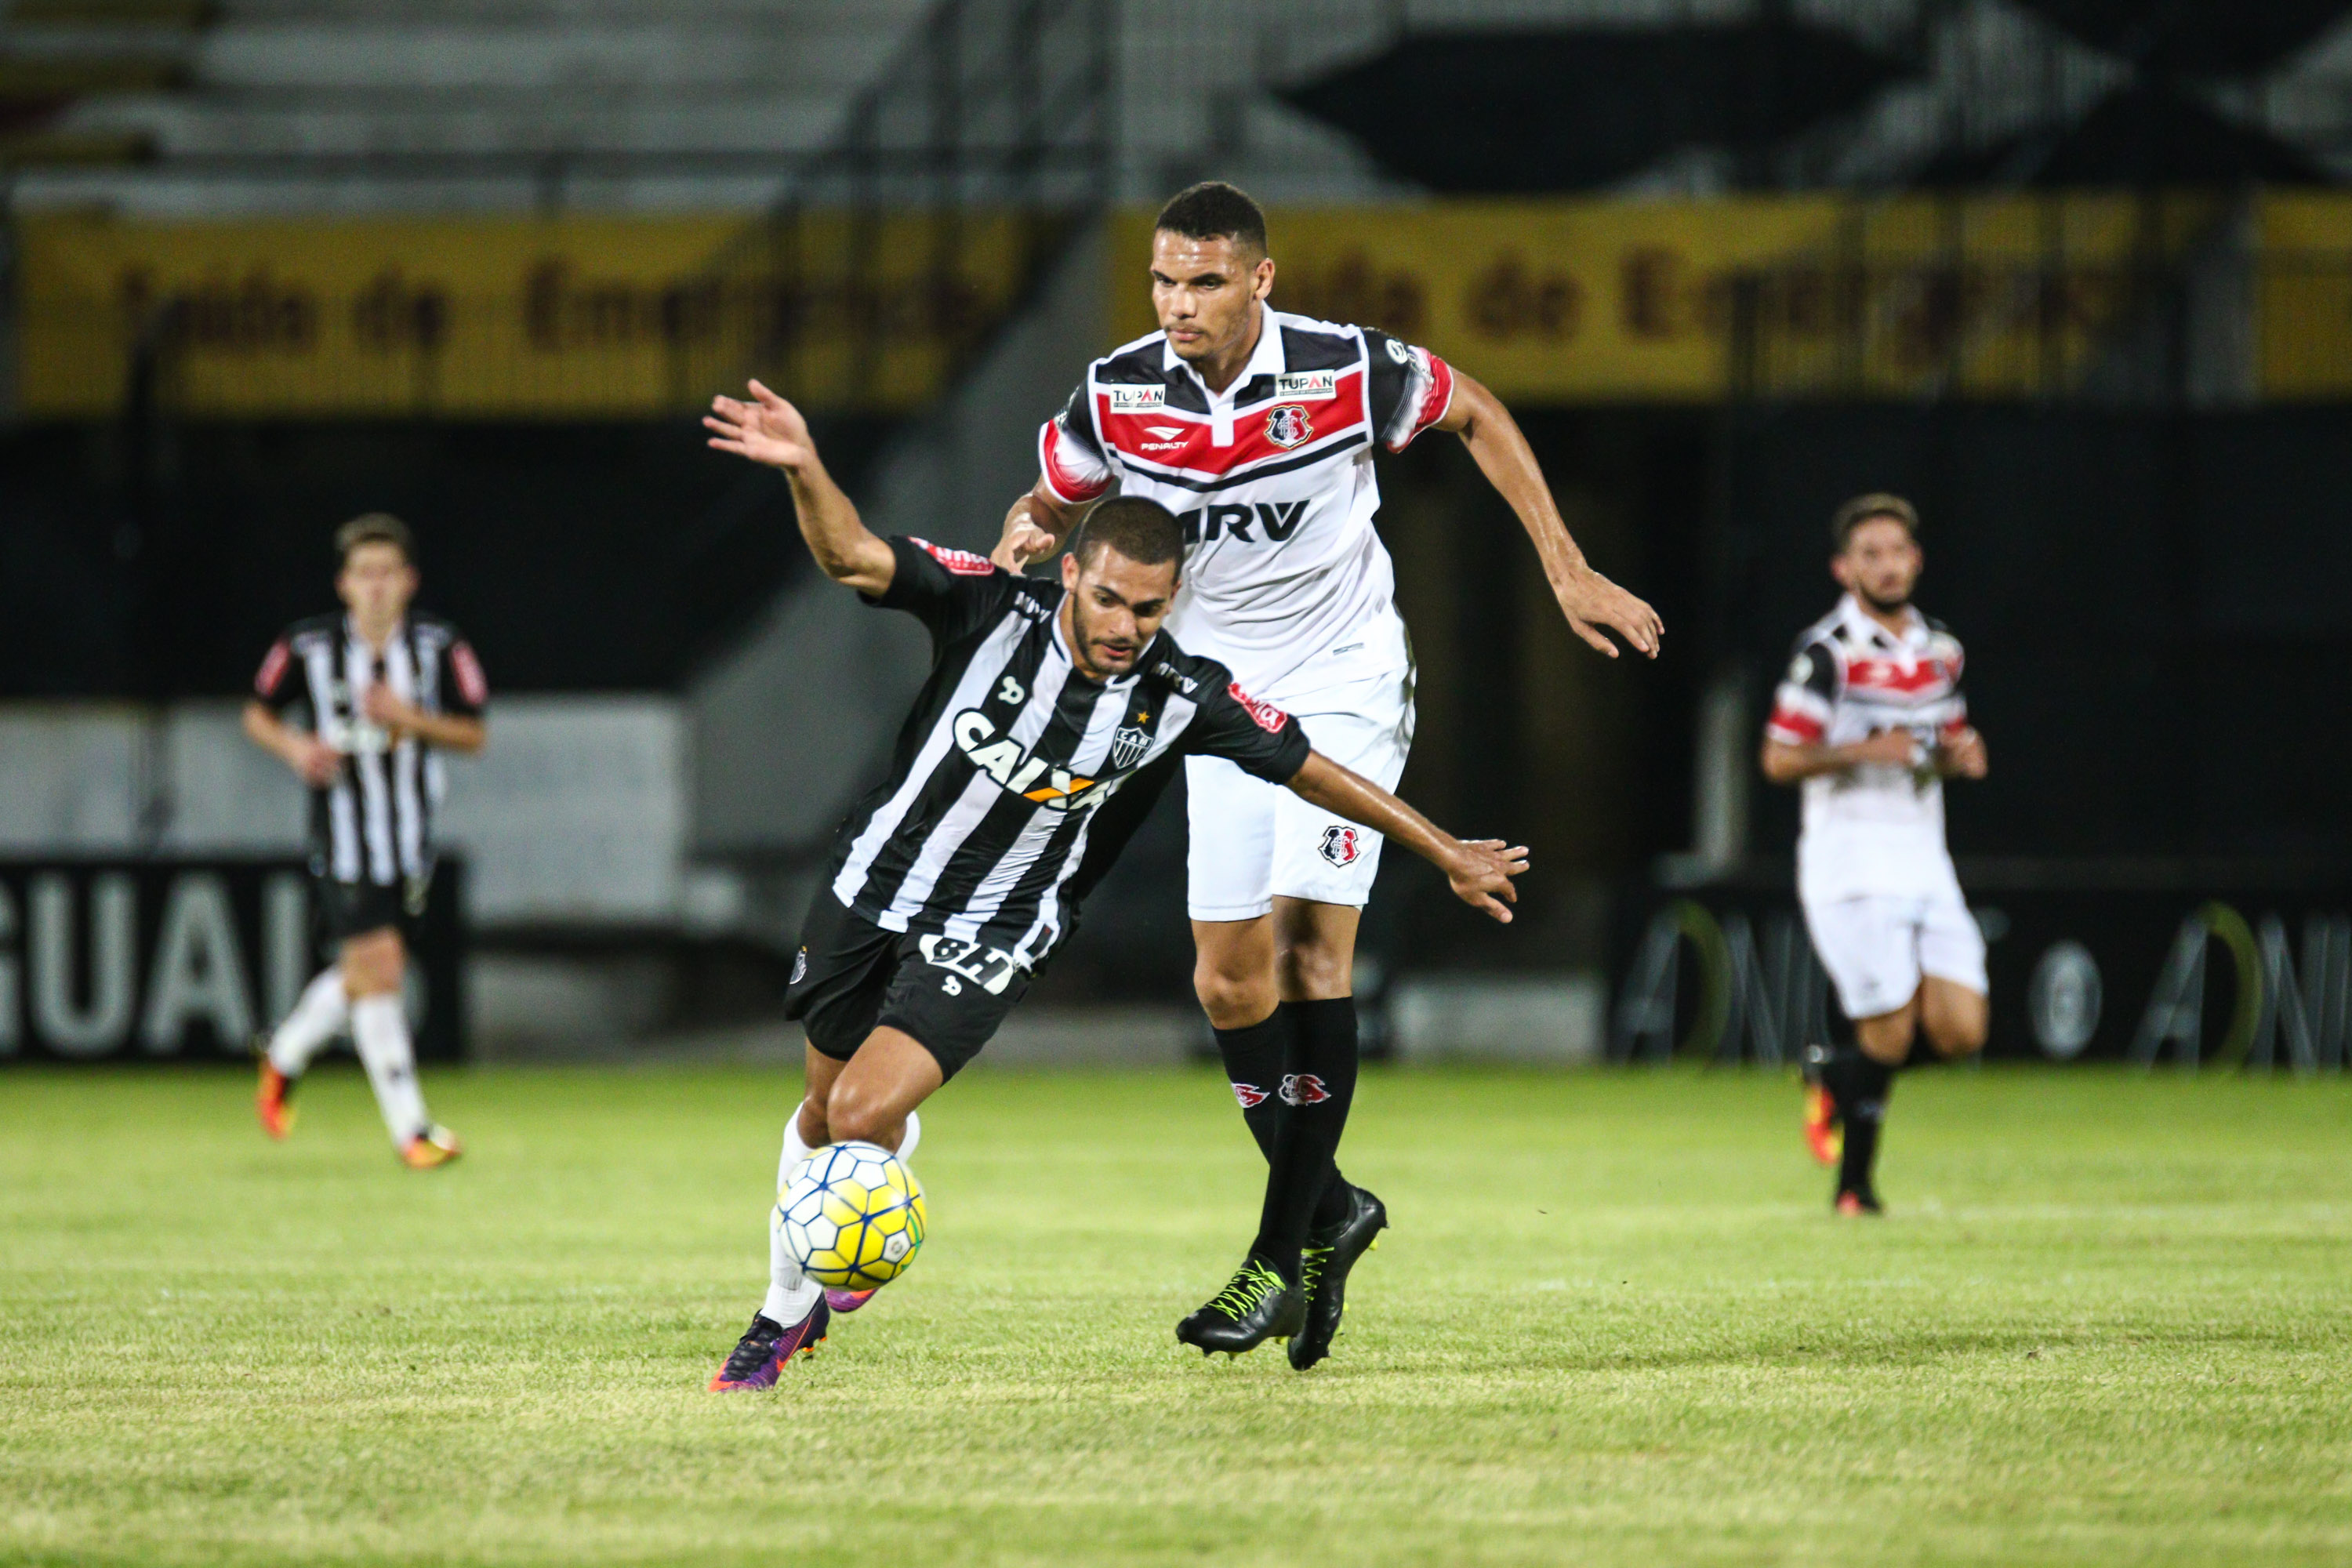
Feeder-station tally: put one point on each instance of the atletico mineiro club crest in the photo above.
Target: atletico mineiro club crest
(1288, 425)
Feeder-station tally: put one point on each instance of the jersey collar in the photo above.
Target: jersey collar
(1860, 621)
(351, 633)
(1267, 359)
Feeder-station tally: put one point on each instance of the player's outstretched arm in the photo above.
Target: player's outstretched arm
(1034, 527)
(1480, 869)
(313, 761)
(769, 430)
(1589, 600)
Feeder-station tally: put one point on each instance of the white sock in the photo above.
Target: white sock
(379, 1029)
(914, 1136)
(791, 1293)
(317, 1018)
(794, 1151)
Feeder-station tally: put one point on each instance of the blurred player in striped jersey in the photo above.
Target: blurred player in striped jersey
(383, 691)
(1870, 722)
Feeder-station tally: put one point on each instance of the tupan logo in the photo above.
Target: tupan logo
(1136, 399)
(1308, 384)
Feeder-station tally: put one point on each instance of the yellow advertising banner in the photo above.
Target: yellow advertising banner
(2303, 296)
(1547, 301)
(1585, 301)
(572, 318)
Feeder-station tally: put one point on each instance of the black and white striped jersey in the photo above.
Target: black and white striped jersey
(374, 822)
(1009, 752)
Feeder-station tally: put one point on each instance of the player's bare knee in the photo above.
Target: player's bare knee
(1232, 1000)
(813, 1126)
(853, 1117)
(1313, 970)
(1957, 1031)
(1886, 1038)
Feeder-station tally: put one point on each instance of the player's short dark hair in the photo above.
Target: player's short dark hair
(375, 528)
(1215, 210)
(1869, 509)
(1143, 530)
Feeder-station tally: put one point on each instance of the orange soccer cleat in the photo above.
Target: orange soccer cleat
(435, 1146)
(273, 1102)
(1822, 1133)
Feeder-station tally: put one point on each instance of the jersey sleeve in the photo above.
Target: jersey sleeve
(1957, 718)
(953, 591)
(1801, 703)
(1257, 737)
(464, 689)
(278, 682)
(1070, 452)
(1410, 389)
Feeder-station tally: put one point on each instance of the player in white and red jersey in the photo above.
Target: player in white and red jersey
(1258, 427)
(1870, 722)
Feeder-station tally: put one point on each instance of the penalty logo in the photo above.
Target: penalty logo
(1288, 425)
(1340, 845)
(1303, 1088)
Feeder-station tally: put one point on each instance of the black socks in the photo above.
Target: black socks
(1861, 1086)
(1257, 1058)
(1303, 1184)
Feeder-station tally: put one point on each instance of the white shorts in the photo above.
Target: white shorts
(1877, 946)
(1251, 840)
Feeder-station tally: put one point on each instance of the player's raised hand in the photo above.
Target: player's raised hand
(1025, 539)
(1481, 869)
(767, 429)
(1591, 601)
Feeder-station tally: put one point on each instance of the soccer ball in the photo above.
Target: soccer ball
(852, 1216)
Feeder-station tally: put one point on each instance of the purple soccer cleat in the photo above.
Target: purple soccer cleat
(760, 1354)
(849, 1300)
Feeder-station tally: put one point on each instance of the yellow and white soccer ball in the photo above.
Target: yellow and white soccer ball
(852, 1216)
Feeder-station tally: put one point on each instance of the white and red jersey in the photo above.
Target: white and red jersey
(1286, 582)
(1879, 828)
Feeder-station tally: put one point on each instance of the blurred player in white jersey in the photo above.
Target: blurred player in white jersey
(1870, 722)
(1258, 427)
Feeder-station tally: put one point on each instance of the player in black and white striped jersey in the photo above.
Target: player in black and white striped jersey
(950, 880)
(385, 691)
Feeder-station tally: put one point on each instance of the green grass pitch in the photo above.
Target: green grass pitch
(2108, 1322)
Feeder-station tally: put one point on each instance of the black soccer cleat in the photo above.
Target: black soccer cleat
(1258, 1306)
(1329, 1254)
(1851, 1202)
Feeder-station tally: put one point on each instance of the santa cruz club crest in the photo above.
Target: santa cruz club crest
(1288, 425)
(1342, 845)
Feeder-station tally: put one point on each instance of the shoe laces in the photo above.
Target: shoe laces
(1250, 1287)
(754, 1349)
(1311, 1261)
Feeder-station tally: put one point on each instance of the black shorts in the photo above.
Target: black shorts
(346, 909)
(852, 977)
